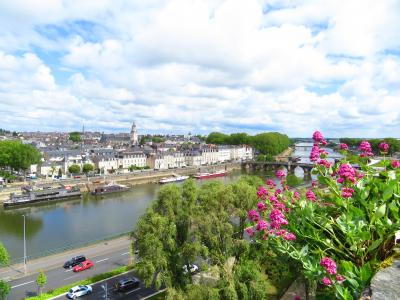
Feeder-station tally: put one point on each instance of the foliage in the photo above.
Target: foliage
(4, 256)
(134, 167)
(338, 235)
(4, 132)
(86, 168)
(268, 143)
(75, 136)
(393, 142)
(292, 180)
(41, 281)
(17, 156)
(74, 169)
(5, 289)
(91, 280)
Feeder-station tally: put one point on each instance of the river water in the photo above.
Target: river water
(57, 226)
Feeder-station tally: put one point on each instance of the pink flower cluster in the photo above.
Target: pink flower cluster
(329, 265)
(253, 215)
(347, 172)
(325, 163)
(384, 147)
(296, 195)
(262, 192)
(271, 184)
(347, 192)
(317, 136)
(250, 231)
(277, 219)
(311, 196)
(344, 146)
(262, 225)
(365, 148)
(395, 164)
(261, 206)
(315, 153)
(280, 173)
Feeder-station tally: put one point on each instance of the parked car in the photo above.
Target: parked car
(87, 264)
(74, 261)
(192, 268)
(78, 291)
(127, 284)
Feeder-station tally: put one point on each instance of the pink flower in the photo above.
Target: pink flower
(329, 265)
(326, 281)
(277, 219)
(314, 154)
(324, 143)
(395, 164)
(280, 232)
(339, 278)
(317, 136)
(273, 199)
(346, 171)
(262, 225)
(250, 231)
(277, 192)
(296, 195)
(289, 236)
(297, 297)
(253, 215)
(343, 146)
(262, 192)
(280, 173)
(365, 146)
(384, 147)
(347, 192)
(261, 206)
(311, 196)
(270, 183)
(325, 163)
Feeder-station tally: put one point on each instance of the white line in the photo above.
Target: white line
(71, 277)
(22, 284)
(160, 291)
(130, 292)
(69, 270)
(125, 253)
(102, 260)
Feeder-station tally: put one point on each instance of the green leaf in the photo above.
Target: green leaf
(387, 193)
(375, 244)
(380, 212)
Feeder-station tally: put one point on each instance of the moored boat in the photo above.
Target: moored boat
(211, 175)
(110, 188)
(175, 178)
(45, 194)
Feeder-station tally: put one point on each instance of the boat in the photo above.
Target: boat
(29, 195)
(109, 188)
(174, 178)
(211, 175)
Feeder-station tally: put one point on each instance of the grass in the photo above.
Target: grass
(91, 280)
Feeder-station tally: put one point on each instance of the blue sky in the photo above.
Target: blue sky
(203, 65)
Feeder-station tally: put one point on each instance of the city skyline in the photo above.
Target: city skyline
(201, 66)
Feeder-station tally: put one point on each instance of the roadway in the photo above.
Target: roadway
(106, 257)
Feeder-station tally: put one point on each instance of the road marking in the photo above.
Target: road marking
(130, 292)
(69, 270)
(102, 260)
(71, 277)
(22, 284)
(125, 253)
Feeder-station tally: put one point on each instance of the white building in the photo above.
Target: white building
(134, 135)
(224, 153)
(193, 158)
(209, 156)
(156, 161)
(105, 163)
(127, 159)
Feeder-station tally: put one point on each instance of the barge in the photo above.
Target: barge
(109, 188)
(30, 196)
(175, 178)
(211, 175)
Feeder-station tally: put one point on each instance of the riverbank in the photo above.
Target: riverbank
(130, 179)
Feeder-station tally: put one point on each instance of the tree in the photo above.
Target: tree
(217, 138)
(41, 280)
(87, 168)
(75, 136)
(4, 260)
(18, 156)
(74, 169)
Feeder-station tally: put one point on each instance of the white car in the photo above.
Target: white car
(193, 269)
(78, 291)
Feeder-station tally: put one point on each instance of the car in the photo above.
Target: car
(74, 261)
(78, 291)
(87, 264)
(127, 284)
(192, 268)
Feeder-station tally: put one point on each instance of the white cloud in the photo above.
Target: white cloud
(291, 66)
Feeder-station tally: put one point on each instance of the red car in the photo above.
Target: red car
(87, 264)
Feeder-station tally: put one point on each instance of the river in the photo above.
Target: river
(63, 225)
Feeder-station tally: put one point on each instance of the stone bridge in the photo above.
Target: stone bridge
(273, 165)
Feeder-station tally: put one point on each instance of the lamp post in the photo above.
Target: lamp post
(24, 244)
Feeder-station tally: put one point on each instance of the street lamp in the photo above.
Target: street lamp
(24, 244)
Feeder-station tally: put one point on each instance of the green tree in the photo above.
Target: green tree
(217, 138)
(74, 169)
(87, 168)
(292, 180)
(41, 281)
(75, 136)
(18, 156)
(4, 260)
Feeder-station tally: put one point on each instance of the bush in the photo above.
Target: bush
(292, 180)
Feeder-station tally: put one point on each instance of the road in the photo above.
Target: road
(106, 257)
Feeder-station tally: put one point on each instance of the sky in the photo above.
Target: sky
(201, 65)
